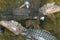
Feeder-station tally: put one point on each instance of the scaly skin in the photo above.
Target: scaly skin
(28, 34)
(39, 35)
(49, 8)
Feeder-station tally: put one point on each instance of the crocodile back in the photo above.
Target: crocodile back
(41, 35)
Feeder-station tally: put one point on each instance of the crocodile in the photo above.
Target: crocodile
(28, 34)
(49, 8)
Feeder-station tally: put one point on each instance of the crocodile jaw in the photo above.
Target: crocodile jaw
(49, 8)
(52, 10)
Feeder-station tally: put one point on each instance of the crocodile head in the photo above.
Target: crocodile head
(49, 8)
(13, 26)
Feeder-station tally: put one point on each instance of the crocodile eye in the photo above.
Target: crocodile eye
(42, 18)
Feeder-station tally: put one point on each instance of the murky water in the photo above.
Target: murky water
(51, 24)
